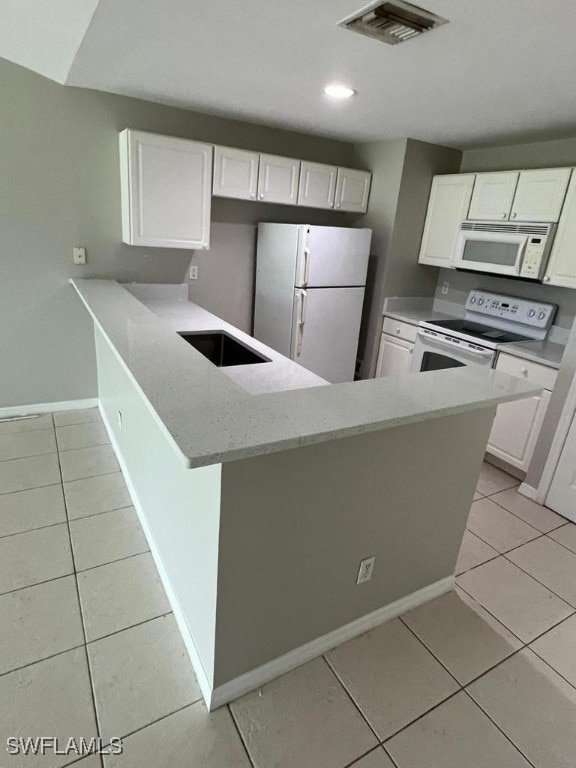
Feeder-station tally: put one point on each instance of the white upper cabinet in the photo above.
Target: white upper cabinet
(493, 196)
(352, 190)
(317, 186)
(540, 194)
(562, 264)
(278, 179)
(166, 186)
(235, 173)
(447, 208)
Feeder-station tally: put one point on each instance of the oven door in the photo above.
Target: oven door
(495, 252)
(434, 352)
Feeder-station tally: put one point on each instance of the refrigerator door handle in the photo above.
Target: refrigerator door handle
(301, 322)
(306, 266)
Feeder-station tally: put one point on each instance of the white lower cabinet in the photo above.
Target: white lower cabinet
(517, 425)
(396, 347)
(166, 186)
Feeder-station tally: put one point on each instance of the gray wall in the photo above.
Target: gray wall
(386, 160)
(60, 188)
(541, 154)
(403, 171)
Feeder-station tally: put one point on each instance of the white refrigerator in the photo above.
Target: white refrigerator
(309, 294)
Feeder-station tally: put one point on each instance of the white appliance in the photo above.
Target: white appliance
(514, 250)
(309, 294)
(490, 319)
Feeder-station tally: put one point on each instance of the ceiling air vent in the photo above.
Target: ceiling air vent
(392, 22)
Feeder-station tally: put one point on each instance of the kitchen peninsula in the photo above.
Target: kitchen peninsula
(261, 488)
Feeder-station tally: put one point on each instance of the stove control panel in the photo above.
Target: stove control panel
(511, 308)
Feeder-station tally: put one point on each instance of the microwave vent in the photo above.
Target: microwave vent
(494, 226)
(392, 22)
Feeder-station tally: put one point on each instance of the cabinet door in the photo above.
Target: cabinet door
(540, 194)
(395, 356)
(562, 494)
(516, 429)
(562, 265)
(447, 208)
(352, 190)
(278, 179)
(317, 185)
(166, 191)
(493, 196)
(235, 173)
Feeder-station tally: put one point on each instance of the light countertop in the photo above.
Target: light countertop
(213, 416)
(545, 352)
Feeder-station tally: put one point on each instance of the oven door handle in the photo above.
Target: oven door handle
(461, 347)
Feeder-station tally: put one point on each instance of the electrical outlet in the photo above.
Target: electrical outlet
(79, 255)
(194, 273)
(366, 570)
(445, 287)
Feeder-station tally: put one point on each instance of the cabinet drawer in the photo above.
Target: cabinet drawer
(526, 369)
(399, 329)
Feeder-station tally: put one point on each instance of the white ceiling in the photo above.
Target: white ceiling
(44, 35)
(498, 71)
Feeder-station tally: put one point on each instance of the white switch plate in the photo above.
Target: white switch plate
(79, 255)
(194, 273)
(445, 287)
(366, 570)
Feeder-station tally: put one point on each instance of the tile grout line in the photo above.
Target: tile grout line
(39, 661)
(495, 724)
(88, 667)
(365, 754)
(352, 699)
(240, 735)
(111, 562)
(502, 554)
(570, 605)
(524, 644)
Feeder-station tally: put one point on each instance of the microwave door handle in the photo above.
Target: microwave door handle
(442, 343)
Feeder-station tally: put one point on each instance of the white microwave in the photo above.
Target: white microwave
(514, 250)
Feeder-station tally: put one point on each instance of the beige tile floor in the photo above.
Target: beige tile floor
(483, 677)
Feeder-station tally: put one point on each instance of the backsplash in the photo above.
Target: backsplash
(461, 283)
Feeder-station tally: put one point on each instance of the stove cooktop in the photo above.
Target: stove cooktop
(477, 331)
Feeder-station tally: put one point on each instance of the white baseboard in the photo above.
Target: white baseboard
(257, 677)
(529, 492)
(199, 671)
(217, 697)
(63, 405)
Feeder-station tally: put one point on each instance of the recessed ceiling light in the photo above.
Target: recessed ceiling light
(337, 91)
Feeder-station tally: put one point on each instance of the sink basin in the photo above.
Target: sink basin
(222, 349)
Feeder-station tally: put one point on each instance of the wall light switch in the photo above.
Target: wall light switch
(445, 287)
(79, 255)
(194, 273)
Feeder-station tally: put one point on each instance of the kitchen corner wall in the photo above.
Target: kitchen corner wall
(60, 187)
(403, 171)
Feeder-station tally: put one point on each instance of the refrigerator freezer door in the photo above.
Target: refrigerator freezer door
(332, 256)
(325, 328)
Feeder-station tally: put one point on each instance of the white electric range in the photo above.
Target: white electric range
(490, 320)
